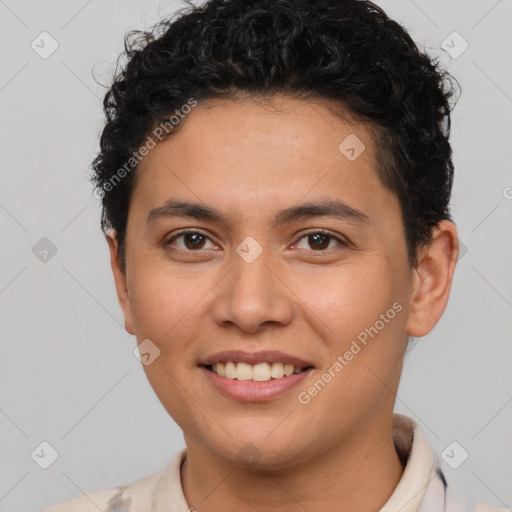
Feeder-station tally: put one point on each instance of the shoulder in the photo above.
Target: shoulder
(458, 504)
(483, 507)
(153, 492)
(115, 499)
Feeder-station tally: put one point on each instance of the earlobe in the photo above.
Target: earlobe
(120, 281)
(432, 279)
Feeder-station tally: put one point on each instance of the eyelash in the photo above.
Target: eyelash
(342, 243)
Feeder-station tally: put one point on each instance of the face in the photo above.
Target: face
(259, 280)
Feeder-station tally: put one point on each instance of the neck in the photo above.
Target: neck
(359, 473)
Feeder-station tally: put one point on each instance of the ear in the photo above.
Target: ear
(432, 279)
(120, 281)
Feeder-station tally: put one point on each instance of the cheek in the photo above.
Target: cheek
(344, 301)
(362, 315)
(171, 389)
(165, 311)
(161, 301)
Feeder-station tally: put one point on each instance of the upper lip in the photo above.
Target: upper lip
(252, 358)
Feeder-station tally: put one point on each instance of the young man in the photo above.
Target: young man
(275, 178)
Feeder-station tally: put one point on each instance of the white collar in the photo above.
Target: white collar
(421, 488)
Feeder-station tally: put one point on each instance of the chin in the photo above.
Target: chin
(254, 448)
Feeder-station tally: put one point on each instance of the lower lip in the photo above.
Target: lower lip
(253, 391)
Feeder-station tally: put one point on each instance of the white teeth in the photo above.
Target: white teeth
(219, 369)
(243, 371)
(260, 372)
(277, 371)
(230, 370)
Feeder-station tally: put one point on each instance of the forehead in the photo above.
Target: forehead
(276, 129)
(254, 156)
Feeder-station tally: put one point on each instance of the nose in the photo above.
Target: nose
(252, 296)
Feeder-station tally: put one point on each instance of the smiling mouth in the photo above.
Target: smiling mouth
(260, 372)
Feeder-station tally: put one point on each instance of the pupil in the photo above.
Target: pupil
(195, 238)
(317, 240)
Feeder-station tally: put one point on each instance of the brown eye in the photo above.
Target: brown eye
(319, 241)
(191, 240)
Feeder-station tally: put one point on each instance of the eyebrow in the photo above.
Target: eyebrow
(327, 207)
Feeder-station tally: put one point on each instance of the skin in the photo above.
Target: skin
(249, 161)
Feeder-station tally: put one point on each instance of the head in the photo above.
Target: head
(304, 146)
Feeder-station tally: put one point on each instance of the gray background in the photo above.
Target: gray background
(67, 372)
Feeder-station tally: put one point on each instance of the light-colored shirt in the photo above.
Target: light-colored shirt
(422, 488)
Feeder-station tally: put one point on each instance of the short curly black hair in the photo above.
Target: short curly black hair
(346, 51)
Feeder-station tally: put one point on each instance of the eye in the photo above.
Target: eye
(319, 240)
(192, 240)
